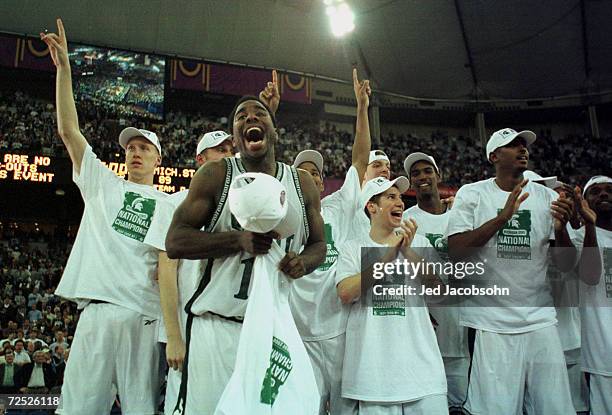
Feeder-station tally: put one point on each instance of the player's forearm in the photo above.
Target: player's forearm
(186, 242)
(349, 289)
(67, 117)
(313, 255)
(590, 264)
(168, 293)
(460, 246)
(564, 252)
(363, 141)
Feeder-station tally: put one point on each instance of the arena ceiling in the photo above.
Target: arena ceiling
(461, 49)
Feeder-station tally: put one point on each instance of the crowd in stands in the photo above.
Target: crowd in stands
(28, 125)
(36, 326)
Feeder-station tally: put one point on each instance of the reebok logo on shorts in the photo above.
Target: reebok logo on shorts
(149, 322)
(134, 218)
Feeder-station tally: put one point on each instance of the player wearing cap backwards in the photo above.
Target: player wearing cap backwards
(596, 298)
(217, 307)
(319, 315)
(509, 224)
(431, 215)
(175, 293)
(113, 264)
(392, 362)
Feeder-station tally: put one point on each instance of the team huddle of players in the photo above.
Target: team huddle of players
(140, 255)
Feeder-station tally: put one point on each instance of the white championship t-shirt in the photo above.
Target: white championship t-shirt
(452, 337)
(596, 312)
(122, 231)
(515, 257)
(390, 356)
(317, 310)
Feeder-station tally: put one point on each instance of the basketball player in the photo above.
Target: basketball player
(175, 293)
(217, 308)
(596, 300)
(317, 310)
(111, 270)
(517, 361)
(431, 215)
(392, 362)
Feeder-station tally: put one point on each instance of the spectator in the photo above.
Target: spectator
(59, 341)
(36, 377)
(34, 314)
(21, 355)
(8, 370)
(8, 312)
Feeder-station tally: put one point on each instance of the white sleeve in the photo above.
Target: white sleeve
(349, 261)
(343, 204)
(92, 175)
(461, 217)
(156, 235)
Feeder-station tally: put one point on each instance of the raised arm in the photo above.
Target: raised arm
(186, 240)
(294, 265)
(67, 118)
(363, 141)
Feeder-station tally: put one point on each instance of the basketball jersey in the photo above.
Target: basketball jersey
(225, 283)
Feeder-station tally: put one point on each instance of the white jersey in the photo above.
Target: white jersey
(318, 312)
(565, 287)
(515, 257)
(391, 354)
(596, 312)
(452, 337)
(115, 254)
(223, 288)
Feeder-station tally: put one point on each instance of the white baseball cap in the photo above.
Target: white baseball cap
(258, 201)
(377, 155)
(311, 156)
(212, 139)
(551, 181)
(380, 185)
(414, 157)
(130, 132)
(596, 180)
(505, 136)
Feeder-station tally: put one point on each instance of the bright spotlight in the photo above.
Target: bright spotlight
(341, 18)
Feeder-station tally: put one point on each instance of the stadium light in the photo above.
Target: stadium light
(341, 17)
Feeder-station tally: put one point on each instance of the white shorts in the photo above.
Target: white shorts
(113, 346)
(212, 345)
(326, 357)
(430, 405)
(456, 369)
(577, 381)
(512, 373)
(600, 394)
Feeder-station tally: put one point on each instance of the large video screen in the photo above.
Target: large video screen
(131, 84)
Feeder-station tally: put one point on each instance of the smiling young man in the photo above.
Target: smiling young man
(510, 224)
(112, 267)
(319, 315)
(596, 300)
(431, 216)
(217, 308)
(392, 362)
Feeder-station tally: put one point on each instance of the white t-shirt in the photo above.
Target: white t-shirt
(516, 257)
(452, 337)
(596, 312)
(317, 310)
(389, 357)
(122, 231)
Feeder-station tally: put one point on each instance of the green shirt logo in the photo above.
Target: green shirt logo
(440, 243)
(607, 263)
(514, 238)
(134, 218)
(277, 373)
(332, 253)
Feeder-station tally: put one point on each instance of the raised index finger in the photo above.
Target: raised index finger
(355, 79)
(275, 77)
(60, 29)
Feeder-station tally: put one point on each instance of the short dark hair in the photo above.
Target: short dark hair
(245, 98)
(373, 199)
(19, 341)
